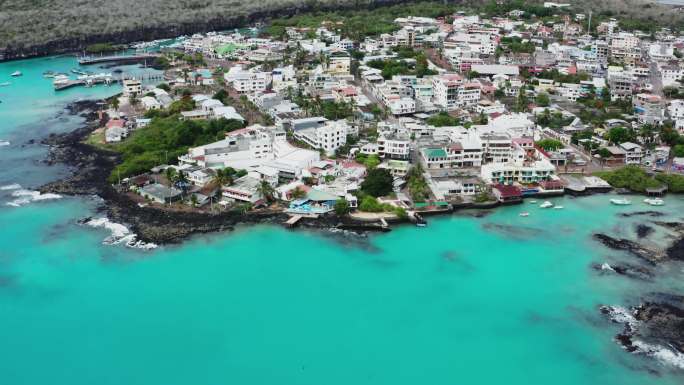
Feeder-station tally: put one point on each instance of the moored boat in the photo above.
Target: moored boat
(546, 205)
(558, 207)
(654, 201)
(621, 202)
(5, 84)
(16, 74)
(525, 214)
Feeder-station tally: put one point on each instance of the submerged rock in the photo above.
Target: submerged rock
(642, 213)
(627, 270)
(644, 231)
(654, 329)
(646, 254)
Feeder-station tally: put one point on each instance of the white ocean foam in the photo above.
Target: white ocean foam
(606, 266)
(660, 353)
(120, 234)
(13, 186)
(25, 197)
(622, 315)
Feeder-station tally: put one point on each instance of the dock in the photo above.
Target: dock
(94, 80)
(292, 222)
(86, 60)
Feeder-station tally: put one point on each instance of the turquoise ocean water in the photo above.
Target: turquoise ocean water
(499, 299)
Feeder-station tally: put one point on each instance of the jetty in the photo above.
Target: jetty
(292, 222)
(86, 60)
(99, 79)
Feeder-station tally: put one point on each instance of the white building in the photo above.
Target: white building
(328, 137)
(451, 92)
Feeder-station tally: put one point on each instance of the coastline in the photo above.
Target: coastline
(92, 166)
(651, 325)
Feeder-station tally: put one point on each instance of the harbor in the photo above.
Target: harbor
(63, 82)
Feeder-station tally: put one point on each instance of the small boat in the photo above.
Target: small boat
(546, 205)
(621, 202)
(533, 202)
(78, 72)
(5, 84)
(421, 224)
(16, 74)
(558, 207)
(654, 201)
(525, 214)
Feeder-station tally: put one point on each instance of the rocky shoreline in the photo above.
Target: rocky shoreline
(655, 326)
(92, 166)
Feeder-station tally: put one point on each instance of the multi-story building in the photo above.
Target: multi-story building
(338, 62)
(451, 92)
(328, 137)
(649, 108)
(394, 146)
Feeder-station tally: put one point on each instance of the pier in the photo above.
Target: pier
(95, 79)
(292, 222)
(86, 60)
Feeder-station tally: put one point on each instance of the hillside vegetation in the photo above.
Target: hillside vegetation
(35, 27)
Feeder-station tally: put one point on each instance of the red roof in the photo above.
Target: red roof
(508, 191)
(115, 123)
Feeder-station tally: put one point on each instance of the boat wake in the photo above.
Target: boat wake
(120, 234)
(24, 197)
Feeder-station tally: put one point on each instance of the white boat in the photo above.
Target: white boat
(16, 73)
(533, 202)
(654, 201)
(621, 202)
(546, 205)
(5, 84)
(60, 79)
(558, 207)
(421, 224)
(525, 214)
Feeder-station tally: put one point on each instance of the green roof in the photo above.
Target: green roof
(226, 49)
(320, 196)
(435, 153)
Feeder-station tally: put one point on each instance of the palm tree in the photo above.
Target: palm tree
(170, 174)
(223, 177)
(297, 193)
(267, 191)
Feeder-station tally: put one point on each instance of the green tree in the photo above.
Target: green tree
(678, 150)
(378, 182)
(267, 191)
(550, 144)
(297, 193)
(619, 135)
(342, 207)
(543, 99)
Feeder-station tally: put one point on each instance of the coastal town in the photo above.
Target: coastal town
(456, 111)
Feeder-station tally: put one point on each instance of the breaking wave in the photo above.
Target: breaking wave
(24, 197)
(660, 353)
(621, 315)
(120, 234)
(13, 186)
